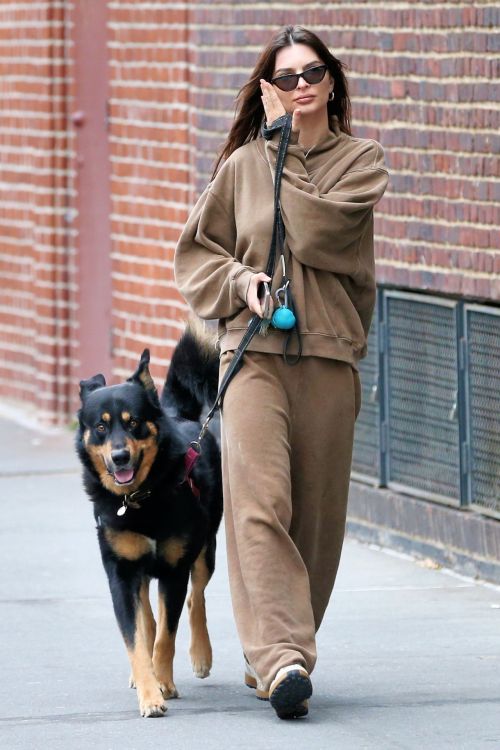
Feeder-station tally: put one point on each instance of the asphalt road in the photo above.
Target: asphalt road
(409, 657)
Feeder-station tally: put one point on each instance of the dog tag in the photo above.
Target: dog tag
(121, 511)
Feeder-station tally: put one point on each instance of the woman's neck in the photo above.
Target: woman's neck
(313, 130)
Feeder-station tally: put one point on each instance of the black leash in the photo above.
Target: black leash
(278, 236)
(284, 124)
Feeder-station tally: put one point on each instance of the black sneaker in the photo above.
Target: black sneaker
(289, 691)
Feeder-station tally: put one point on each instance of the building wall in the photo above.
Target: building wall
(36, 240)
(152, 147)
(422, 83)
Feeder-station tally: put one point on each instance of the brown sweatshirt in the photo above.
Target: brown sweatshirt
(327, 200)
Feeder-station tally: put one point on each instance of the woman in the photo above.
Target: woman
(287, 432)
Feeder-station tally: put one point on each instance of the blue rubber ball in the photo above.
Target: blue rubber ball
(283, 318)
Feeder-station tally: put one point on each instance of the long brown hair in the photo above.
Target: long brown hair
(249, 109)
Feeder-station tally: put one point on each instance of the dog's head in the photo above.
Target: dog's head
(119, 426)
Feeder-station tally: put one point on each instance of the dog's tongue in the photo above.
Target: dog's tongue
(124, 475)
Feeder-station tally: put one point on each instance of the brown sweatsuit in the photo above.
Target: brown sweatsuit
(287, 432)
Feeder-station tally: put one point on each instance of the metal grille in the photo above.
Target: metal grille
(422, 392)
(365, 460)
(483, 349)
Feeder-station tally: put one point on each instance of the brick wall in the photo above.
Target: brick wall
(151, 149)
(422, 79)
(35, 193)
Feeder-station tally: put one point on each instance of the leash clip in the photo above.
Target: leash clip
(282, 292)
(197, 443)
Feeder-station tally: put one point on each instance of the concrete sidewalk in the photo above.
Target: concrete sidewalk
(409, 657)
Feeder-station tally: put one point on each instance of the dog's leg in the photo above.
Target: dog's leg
(128, 586)
(200, 649)
(151, 699)
(148, 623)
(172, 587)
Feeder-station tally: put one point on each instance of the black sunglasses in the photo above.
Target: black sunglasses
(290, 81)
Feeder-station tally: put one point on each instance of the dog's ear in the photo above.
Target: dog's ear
(142, 376)
(87, 386)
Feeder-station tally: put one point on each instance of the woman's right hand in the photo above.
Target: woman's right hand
(253, 301)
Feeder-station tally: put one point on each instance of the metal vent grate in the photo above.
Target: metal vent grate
(482, 327)
(365, 459)
(422, 392)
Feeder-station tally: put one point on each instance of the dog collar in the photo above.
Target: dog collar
(132, 501)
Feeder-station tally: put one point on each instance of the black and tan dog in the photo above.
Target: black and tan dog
(151, 522)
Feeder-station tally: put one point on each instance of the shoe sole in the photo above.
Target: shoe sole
(289, 696)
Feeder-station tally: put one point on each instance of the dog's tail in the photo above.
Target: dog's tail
(193, 374)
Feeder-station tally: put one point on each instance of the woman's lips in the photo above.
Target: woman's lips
(304, 99)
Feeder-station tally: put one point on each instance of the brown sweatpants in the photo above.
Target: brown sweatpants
(287, 434)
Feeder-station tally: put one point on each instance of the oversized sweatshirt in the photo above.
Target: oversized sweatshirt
(327, 199)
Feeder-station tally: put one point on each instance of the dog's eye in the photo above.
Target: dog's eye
(133, 423)
(101, 428)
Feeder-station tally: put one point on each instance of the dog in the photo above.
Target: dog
(154, 521)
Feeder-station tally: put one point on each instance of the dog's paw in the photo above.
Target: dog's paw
(201, 668)
(131, 681)
(153, 710)
(201, 660)
(169, 690)
(165, 680)
(152, 703)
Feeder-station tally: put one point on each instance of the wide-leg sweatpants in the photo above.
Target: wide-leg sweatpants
(287, 434)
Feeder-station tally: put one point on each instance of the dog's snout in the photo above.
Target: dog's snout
(120, 457)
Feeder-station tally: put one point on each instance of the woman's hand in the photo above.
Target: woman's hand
(253, 301)
(271, 102)
(274, 108)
